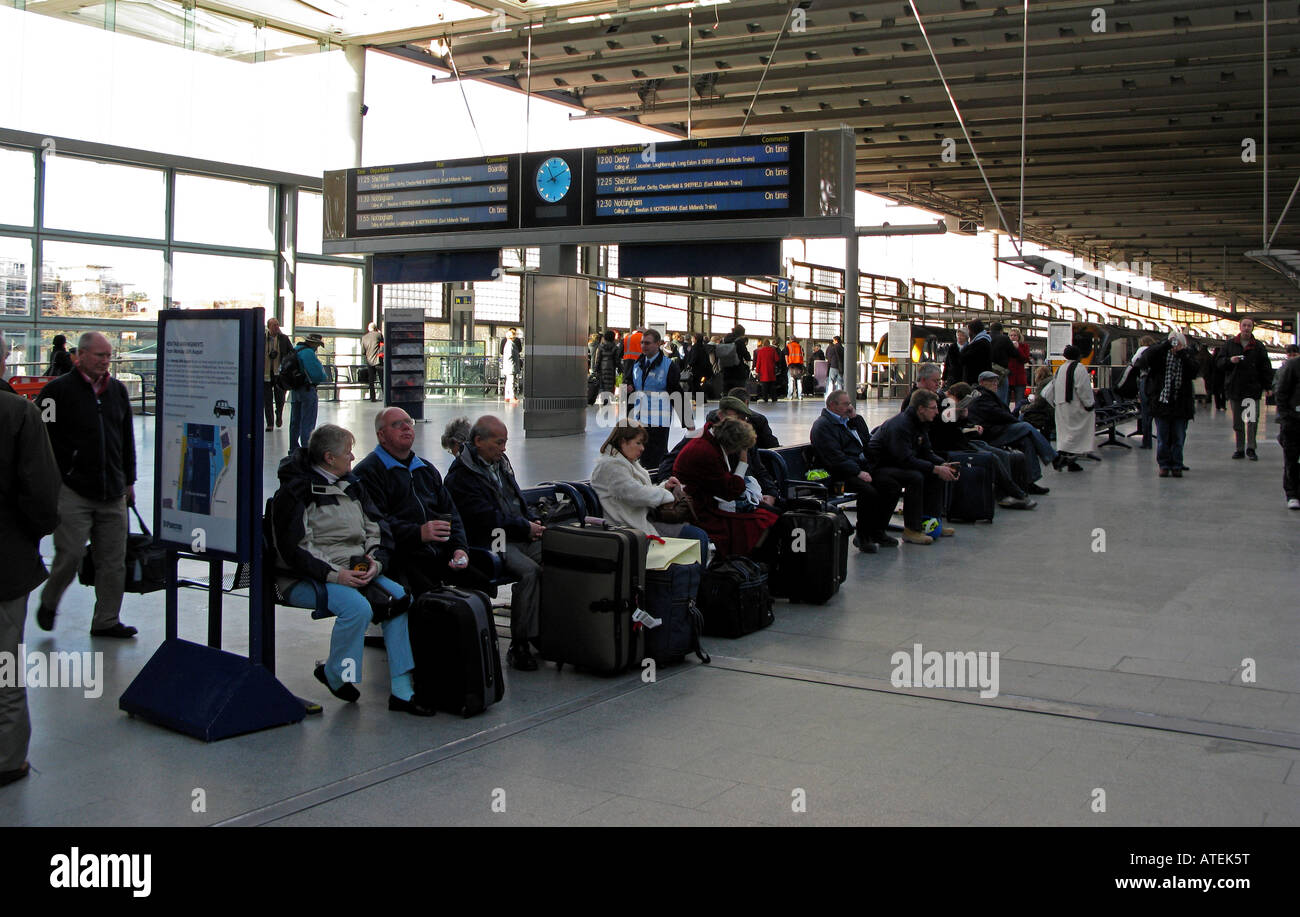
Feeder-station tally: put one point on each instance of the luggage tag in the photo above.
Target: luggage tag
(645, 619)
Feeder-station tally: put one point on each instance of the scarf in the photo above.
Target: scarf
(1069, 381)
(1173, 377)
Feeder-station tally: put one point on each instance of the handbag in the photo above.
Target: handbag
(680, 510)
(383, 606)
(146, 561)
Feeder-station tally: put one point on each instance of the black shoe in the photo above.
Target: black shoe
(518, 657)
(1058, 461)
(884, 539)
(1072, 465)
(1183, 468)
(119, 630)
(269, 428)
(412, 706)
(1176, 473)
(866, 547)
(347, 692)
(1037, 491)
(45, 618)
(1250, 454)
(13, 776)
(1239, 454)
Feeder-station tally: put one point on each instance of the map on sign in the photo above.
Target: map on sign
(695, 179)
(435, 196)
(204, 461)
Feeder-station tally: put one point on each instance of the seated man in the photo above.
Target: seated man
(762, 429)
(842, 452)
(408, 492)
(482, 484)
(1002, 428)
(929, 377)
(729, 408)
(899, 451)
(951, 432)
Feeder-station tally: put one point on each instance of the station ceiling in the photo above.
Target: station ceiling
(1144, 119)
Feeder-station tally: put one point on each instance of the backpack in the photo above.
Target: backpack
(727, 356)
(292, 375)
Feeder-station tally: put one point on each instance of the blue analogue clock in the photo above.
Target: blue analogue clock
(553, 179)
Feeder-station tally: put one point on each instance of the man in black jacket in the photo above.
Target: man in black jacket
(496, 517)
(952, 433)
(899, 451)
(88, 418)
(1249, 378)
(928, 377)
(952, 371)
(29, 503)
(1002, 428)
(842, 452)
(977, 356)
(1002, 352)
(408, 492)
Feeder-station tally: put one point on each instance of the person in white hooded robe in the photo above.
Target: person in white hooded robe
(1070, 391)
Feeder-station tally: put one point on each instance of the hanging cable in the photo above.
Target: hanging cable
(451, 58)
(771, 57)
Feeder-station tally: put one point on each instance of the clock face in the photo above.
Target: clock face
(553, 179)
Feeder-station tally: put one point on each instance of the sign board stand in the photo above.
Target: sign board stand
(208, 504)
(404, 361)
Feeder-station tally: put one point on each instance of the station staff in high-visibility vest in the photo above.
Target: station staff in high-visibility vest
(793, 353)
(631, 353)
(655, 392)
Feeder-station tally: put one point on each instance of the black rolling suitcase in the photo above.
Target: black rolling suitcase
(734, 597)
(970, 498)
(670, 596)
(591, 583)
(810, 552)
(457, 658)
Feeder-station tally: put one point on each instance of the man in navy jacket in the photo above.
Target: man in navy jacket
(842, 452)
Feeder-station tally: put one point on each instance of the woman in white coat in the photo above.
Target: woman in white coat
(626, 494)
(1071, 392)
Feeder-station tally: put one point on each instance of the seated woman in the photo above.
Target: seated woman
(713, 469)
(327, 530)
(1040, 412)
(625, 492)
(455, 435)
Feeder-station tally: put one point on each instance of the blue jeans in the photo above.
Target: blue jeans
(303, 403)
(1037, 447)
(348, 640)
(834, 381)
(691, 531)
(1004, 389)
(1171, 433)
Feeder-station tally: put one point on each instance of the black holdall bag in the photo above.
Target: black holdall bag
(669, 595)
(146, 561)
(734, 597)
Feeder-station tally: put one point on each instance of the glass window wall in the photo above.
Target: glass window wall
(15, 275)
(17, 186)
(85, 195)
(222, 282)
(84, 281)
(329, 296)
(218, 211)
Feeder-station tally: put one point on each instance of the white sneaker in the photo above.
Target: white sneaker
(1293, 503)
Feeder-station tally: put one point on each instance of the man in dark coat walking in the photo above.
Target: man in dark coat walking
(1248, 380)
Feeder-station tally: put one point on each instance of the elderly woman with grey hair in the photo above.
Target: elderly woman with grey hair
(1170, 368)
(455, 435)
(327, 530)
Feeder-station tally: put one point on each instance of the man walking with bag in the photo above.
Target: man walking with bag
(88, 418)
(302, 372)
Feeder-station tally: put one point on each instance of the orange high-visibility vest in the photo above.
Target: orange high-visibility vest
(632, 346)
(795, 354)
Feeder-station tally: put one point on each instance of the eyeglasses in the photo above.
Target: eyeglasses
(399, 424)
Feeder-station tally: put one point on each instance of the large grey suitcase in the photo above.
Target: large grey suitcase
(591, 581)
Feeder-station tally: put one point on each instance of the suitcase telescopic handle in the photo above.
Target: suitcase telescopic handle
(486, 648)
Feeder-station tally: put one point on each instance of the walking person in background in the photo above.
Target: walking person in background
(835, 365)
(90, 430)
(372, 350)
(1017, 375)
(1170, 368)
(765, 369)
(608, 359)
(303, 399)
(793, 352)
(512, 364)
(278, 346)
(1248, 377)
(1144, 415)
(60, 359)
(1287, 395)
(29, 510)
(952, 371)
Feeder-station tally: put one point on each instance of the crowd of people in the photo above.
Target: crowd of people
(376, 534)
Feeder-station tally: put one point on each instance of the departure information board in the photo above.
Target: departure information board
(456, 195)
(760, 176)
